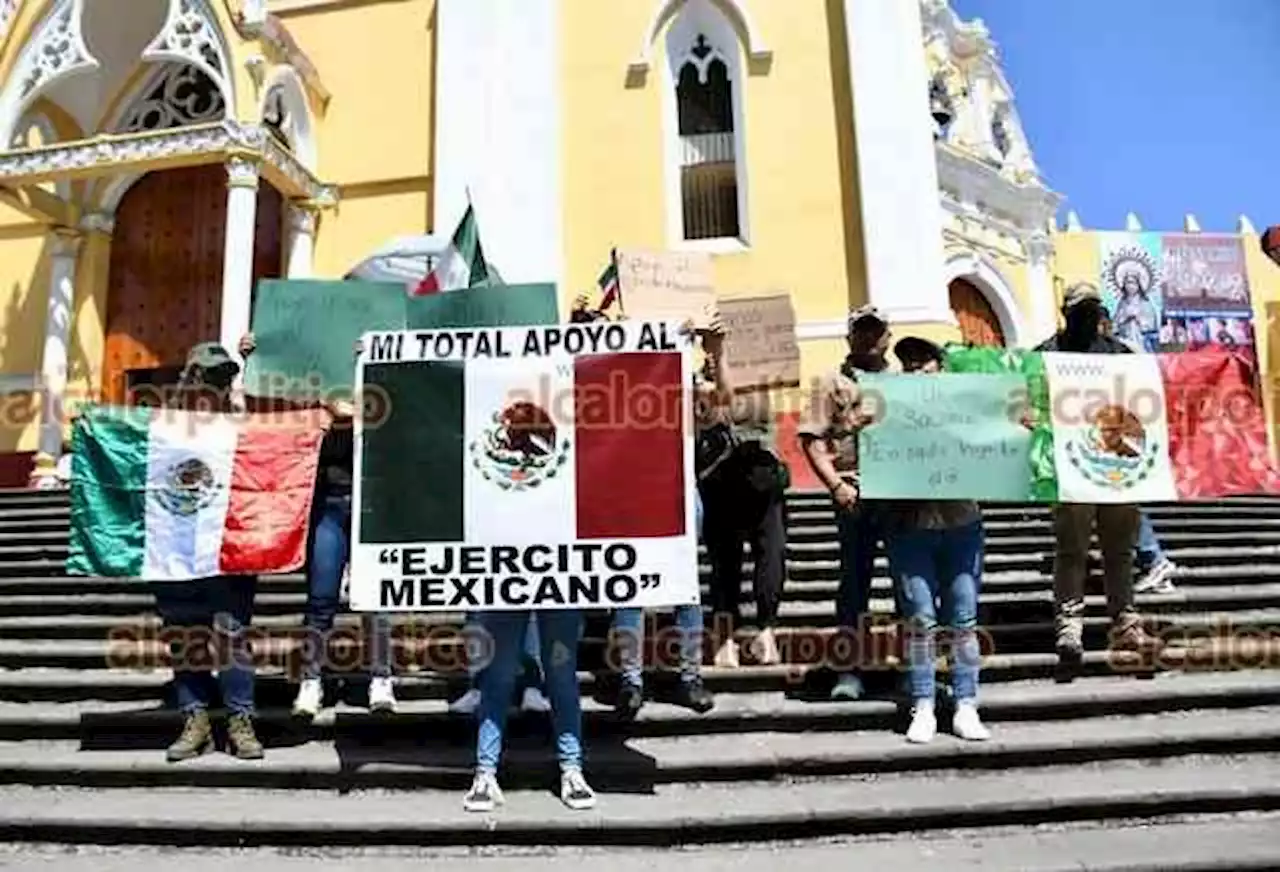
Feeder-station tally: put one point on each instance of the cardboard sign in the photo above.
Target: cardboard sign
(760, 343)
(666, 285)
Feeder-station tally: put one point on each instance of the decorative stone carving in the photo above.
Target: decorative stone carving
(1039, 247)
(190, 34)
(66, 243)
(183, 95)
(302, 219)
(212, 141)
(98, 222)
(8, 11)
(242, 172)
(57, 50)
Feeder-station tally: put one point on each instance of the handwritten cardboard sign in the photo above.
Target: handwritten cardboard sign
(945, 436)
(760, 342)
(666, 285)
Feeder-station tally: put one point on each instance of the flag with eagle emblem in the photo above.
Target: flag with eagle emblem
(167, 495)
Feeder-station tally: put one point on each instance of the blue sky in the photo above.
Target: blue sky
(1160, 107)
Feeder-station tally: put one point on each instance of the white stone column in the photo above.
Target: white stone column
(897, 168)
(301, 242)
(237, 260)
(1044, 306)
(57, 334)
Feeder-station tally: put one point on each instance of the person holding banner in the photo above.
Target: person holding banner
(744, 499)
(1073, 523)
(828, 434)
(711, 391)
(328, 553)
(1152, 566)
(935, 550)
(201, 608)
(560, 632)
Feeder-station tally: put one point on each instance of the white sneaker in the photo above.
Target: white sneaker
(534, 701)
(382, 695)
(1157, 579)
(967, 725)
(924, 724)
(467, 703)
(309, 699)
(575, 792)
(484, 795)
(727, 656)
(848, 687)
(765, 648)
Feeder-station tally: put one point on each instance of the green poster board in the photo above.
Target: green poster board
(946, 436)
(306, 331)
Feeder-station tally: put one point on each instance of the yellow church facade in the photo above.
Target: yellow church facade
(162, 156)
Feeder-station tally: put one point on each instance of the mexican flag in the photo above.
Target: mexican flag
(1138, 428)
(524, 451)
(165, 495)
(462, 264)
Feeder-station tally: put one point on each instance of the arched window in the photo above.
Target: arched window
(706, 78)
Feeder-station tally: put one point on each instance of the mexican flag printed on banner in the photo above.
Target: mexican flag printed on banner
(1135, 428)
(544, 438)
(165, 495)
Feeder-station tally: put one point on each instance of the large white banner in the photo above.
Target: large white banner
(525, 468)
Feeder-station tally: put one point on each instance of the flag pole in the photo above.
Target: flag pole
(617, 277)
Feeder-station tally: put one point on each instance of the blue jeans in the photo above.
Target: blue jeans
(209, 615)
(328, 553)
(530, 654)
(560, 631)
(932, 568)
(1148, 551)
(859, 532)
(628, 624)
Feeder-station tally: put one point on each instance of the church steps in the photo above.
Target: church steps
(628, 764)
(100, 724)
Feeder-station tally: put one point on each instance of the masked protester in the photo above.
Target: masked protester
(221, 606)
(1073, 523)
(828, 436)
(1154, 570)
(935, 550)
(328, 556)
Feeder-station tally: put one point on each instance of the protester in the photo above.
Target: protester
(744, 500)
(62, 471)
(935, 550)
(328, 554)
(628, 624)
(532, 698)
(221, 606)
(828, 436)
(1073, 523)
(1153, 568)
(561, 632)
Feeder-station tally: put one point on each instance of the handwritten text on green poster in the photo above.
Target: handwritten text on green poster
(946, 436)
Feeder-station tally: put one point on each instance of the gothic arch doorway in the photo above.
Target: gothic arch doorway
(979, 324)
(164, 285)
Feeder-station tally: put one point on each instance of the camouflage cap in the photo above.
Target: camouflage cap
(866, 313)
(211, 355)
(1079, 293)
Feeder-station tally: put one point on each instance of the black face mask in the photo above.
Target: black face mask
(1083, 323)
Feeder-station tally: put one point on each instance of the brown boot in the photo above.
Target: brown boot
(242, 740)
(1127, 634)
(196, 738)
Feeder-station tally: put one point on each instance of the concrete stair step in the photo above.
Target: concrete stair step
(999, 609)
(667, 814)
(811, 680)
(629, 764)
(99, 724)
